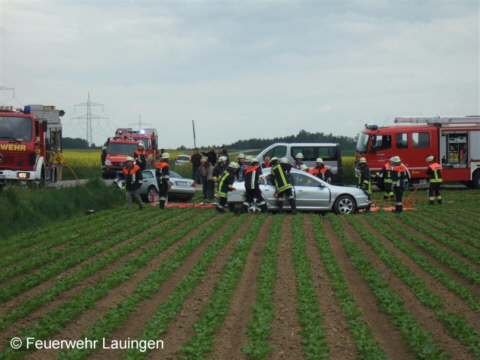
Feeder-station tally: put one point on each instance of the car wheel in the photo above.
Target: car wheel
(152, 190)
(344, 205)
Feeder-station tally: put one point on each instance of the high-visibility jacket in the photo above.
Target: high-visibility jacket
(133, 177)
(140, 156)
(364, 180)
(217, 171)
(225, 182)
(252, 176)
(434, 172)
(386, 173)
(399, 175)
(162, 172)
(323, 173)
(282, 181)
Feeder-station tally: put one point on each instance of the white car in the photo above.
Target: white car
(311, 194)
(181, 189)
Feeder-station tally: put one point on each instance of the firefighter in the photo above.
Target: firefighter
(225, 184)
(399, 176)
(298, 161)
(304, 168)
(283, 183)
(385, 175)
(266, 162)
(133, 182)
(434, 172)
(219, 169)
(242, 165)
(163, 178)
(364, 180)
(253, 175)
(321, 171)
(140, 156)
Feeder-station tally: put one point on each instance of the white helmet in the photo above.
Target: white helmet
(141, 144)
(362, 160)
(248, 158)
(430, 158)
(304, 167)
(241, 156)
(284, 160)
(129, 158)
(165, 156)
(396, 159)
(254, 160)
(320, 160)
(234, 165)
(299, 156)
(274, 159)
(222, 158)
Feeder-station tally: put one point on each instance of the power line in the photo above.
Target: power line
(88, 116)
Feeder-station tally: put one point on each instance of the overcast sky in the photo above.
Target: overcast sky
(240, 69)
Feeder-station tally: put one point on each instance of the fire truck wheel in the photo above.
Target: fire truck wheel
(476, 180)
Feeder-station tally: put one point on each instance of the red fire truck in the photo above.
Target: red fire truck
(454, 141)
(124, 144)
(30, 144)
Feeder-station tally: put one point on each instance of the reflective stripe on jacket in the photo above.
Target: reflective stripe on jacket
(434, 171)
(279, 175)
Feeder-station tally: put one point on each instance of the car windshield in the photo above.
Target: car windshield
(362, 143)
(13, 127)
(122, 148)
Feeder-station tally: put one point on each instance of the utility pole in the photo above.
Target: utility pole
(194, 140)
(89, 118)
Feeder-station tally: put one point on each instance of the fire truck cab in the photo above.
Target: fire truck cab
(454, 141)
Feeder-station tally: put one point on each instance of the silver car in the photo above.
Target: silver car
(311, 194)
(181, 189)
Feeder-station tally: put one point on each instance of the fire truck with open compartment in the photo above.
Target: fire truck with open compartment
(30, 144)
(454, 141)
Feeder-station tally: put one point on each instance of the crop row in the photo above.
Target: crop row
(456, 325)
(443, 256)
(89, 269)
(34, 260)
(58, 317)
(418, 340)
(53, 235)
(360, 329)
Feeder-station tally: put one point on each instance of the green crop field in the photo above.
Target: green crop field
(190, 283)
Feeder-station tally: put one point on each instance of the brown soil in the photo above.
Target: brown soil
(384, 332)
(424, 315)
(341, 344)
(285, 335)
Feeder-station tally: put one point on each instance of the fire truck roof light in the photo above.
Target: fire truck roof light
(27, 109)
(371, 126)
(142, 132)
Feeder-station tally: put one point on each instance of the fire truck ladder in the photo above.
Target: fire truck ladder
(443, 120)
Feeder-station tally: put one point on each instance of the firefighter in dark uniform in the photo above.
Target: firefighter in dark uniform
(162, 173)
(321, 171)
(140, 156)
(219, 169)
(225, 184)
(281, 175)
(364, 180)
(253, 175)
(133, 182)
(434, 173)
(399, 179)
(386, 175)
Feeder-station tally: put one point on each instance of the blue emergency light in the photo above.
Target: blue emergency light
(27, 109)
(371, 126)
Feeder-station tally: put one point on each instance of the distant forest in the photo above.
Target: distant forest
(77, 143)
(346, 143)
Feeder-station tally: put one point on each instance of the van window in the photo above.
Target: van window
(327, 153)
(381, 142)
(421, 140)
(402, 141)
(277, 151)
(307, 151)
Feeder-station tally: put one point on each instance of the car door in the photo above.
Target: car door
(310, 192)
(268, 190)
(148, 180)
